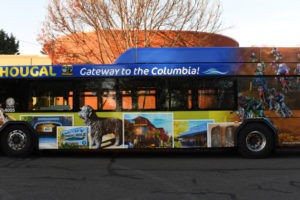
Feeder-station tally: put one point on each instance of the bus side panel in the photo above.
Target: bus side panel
(197, 129)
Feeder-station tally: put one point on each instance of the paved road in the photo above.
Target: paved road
(125, 176)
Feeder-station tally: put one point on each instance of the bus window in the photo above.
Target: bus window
(108, 101)
(216, 93)
(180, 94)
(126, 100)
(99, 94)
(207, 99)
(89, 98)
(105, 100)
(14, 95)
(51, 96)
(180, 100)
(50, 101)
(139, 94)
(146, 99)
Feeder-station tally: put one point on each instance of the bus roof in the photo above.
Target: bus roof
(179, 55)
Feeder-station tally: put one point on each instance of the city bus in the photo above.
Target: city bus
(155, 98)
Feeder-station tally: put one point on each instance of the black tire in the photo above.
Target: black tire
(17, 141)
(255, 141)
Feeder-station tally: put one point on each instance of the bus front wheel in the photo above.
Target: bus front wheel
(17, 141)
(255, 141)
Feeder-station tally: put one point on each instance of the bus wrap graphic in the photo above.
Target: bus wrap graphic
(73, 137)
(115, 70)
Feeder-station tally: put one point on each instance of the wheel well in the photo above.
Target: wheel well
(263, 122)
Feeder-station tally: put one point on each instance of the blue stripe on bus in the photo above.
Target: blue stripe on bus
(125, 70)
(179, 55)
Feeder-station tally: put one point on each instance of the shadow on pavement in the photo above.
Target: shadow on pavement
(141, 153)
(185, 153)
(215, 153)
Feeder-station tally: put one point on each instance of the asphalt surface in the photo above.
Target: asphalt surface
(155, 176)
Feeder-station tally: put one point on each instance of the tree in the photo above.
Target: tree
(8, 44)
(103, 29)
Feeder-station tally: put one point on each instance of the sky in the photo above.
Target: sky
(263, 22)
(249, 22)
(23, 18)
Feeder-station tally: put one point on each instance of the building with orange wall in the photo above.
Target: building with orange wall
(18, 60)
(65, 51)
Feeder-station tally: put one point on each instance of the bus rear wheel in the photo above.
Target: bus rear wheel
(255, 141)
(17, 141)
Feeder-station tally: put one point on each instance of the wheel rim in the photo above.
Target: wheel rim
(256, 141)
(17, 140)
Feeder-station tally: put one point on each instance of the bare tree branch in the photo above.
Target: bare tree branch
(98, 31)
